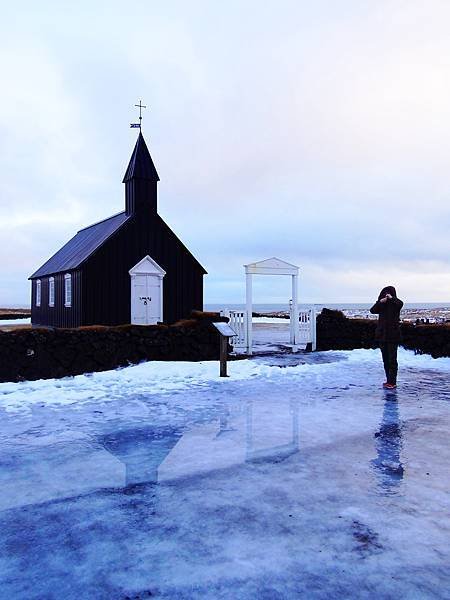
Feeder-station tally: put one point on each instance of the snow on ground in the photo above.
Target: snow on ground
(15, 322)
(297, 477)
(159, 377)
(270, 320)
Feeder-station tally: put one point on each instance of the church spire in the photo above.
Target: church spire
(141, 165)
(140, 180)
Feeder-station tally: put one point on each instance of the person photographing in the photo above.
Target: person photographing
(387, 333)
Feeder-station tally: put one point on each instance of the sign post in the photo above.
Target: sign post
(225, 332)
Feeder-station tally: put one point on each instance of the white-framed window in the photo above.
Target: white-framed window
(38, 292)
(51, 291)
(68, 289)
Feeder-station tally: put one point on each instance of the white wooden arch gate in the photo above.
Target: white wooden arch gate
(302, 326)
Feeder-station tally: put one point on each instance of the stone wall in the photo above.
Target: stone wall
(40, 353)
(27, 354)
(337, 332)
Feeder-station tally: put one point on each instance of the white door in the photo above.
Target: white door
(146, 296)
(146, 292)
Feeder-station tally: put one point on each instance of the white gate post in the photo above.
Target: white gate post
(291, 322)
(249, 311)
(295, 324)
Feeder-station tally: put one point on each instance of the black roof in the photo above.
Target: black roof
(141, 164)
(87, 240)
(81, 246)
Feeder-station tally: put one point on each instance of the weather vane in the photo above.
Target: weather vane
(140, 106)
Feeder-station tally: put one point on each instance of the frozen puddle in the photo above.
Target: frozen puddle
(296, 477)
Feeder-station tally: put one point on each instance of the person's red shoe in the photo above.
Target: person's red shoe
(390, 386)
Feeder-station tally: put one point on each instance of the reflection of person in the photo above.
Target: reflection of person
(387, 333)
(388, 445)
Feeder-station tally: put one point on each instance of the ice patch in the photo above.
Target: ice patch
(295, 482)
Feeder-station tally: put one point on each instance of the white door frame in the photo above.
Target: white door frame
(148, 266)
(272, 266)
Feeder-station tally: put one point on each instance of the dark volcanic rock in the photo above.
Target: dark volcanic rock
(337, 332)
(44, 353)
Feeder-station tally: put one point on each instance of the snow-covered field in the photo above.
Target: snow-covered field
(15, 322)
(297, 477)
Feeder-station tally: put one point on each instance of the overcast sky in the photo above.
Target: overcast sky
(317, 132)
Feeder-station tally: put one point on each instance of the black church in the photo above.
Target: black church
(129, 268)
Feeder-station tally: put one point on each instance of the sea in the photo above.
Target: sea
(269, 308)
(432, 312)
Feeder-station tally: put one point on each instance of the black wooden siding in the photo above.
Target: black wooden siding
(106, 286)
(57, 315)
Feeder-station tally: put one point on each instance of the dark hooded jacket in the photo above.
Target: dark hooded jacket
(388, 328)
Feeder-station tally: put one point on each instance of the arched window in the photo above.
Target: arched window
(68, 289)
(51, 291)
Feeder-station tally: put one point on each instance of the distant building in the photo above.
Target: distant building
(129, 268)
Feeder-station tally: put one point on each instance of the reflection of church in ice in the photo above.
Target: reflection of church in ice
(240, 433)
(255, 431)
(249, 432)
(140, 451)
(74, 464)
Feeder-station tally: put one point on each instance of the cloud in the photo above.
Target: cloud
(315, 132)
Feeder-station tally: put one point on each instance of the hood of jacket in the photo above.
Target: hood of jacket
(389, 289)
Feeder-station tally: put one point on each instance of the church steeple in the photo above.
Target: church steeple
(140, 180)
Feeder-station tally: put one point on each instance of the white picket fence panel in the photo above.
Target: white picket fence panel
(238, 323)
(305, 334)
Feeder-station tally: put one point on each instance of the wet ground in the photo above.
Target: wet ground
(298, 477)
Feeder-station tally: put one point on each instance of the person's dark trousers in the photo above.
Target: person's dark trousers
(389, 354)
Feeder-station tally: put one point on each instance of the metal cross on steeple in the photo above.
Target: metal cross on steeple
(140, 106)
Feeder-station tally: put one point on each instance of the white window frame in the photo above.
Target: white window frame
(51, 291)
(38, 292)
(68, 290)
